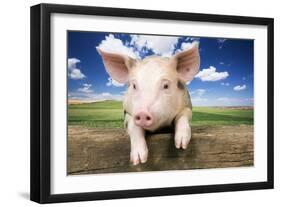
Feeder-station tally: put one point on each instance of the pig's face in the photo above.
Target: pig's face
(155, 85)
(154, 90)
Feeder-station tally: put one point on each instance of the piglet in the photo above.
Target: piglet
(156, 95)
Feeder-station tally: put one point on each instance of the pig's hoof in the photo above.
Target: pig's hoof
(139, 155)
(182, 138)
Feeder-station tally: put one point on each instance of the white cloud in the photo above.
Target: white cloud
(198, 100)
(188, 45)
(235, 101)
(210, 74)
(221, 41)
(221, 63)
(198, 92)
(105, 94)
(115, 45)
(88, 85)
(239, 88)
(225, 84)
(160, 45)
(112, 82)
(92, 96)
(195, 39)
(223, 99)
(196, 96)
(74, 72)
(140, 45)
(86, 88)
(72, 62)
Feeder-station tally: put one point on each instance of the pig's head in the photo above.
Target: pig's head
(155, 84)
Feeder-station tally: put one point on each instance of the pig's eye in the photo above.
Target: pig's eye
(165, 86)
(133, 85)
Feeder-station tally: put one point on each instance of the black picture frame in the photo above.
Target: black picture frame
(41, 99)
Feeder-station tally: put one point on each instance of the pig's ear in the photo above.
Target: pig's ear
(188, 63)
(116, 65)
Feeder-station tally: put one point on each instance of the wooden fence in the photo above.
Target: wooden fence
(93, 150)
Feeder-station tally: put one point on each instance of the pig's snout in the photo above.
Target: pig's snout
(143, 119)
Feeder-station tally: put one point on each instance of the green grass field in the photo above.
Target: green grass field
(109, 114)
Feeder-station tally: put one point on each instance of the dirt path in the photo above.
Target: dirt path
(93, 150)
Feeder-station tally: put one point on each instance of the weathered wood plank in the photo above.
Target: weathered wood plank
(106, 151)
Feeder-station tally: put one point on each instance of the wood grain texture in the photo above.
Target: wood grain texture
(93, 150)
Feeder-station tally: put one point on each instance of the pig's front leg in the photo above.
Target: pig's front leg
(139, 149)
(182, 128)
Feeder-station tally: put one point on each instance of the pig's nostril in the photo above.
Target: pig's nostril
(143, 119)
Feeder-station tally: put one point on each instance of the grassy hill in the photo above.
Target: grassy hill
(109, 114)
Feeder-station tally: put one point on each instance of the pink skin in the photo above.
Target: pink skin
(145, 101)
(139, 151)
(183, 133)
(156, 95)
(143, 119)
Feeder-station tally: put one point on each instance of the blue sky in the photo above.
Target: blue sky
(225, 77)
